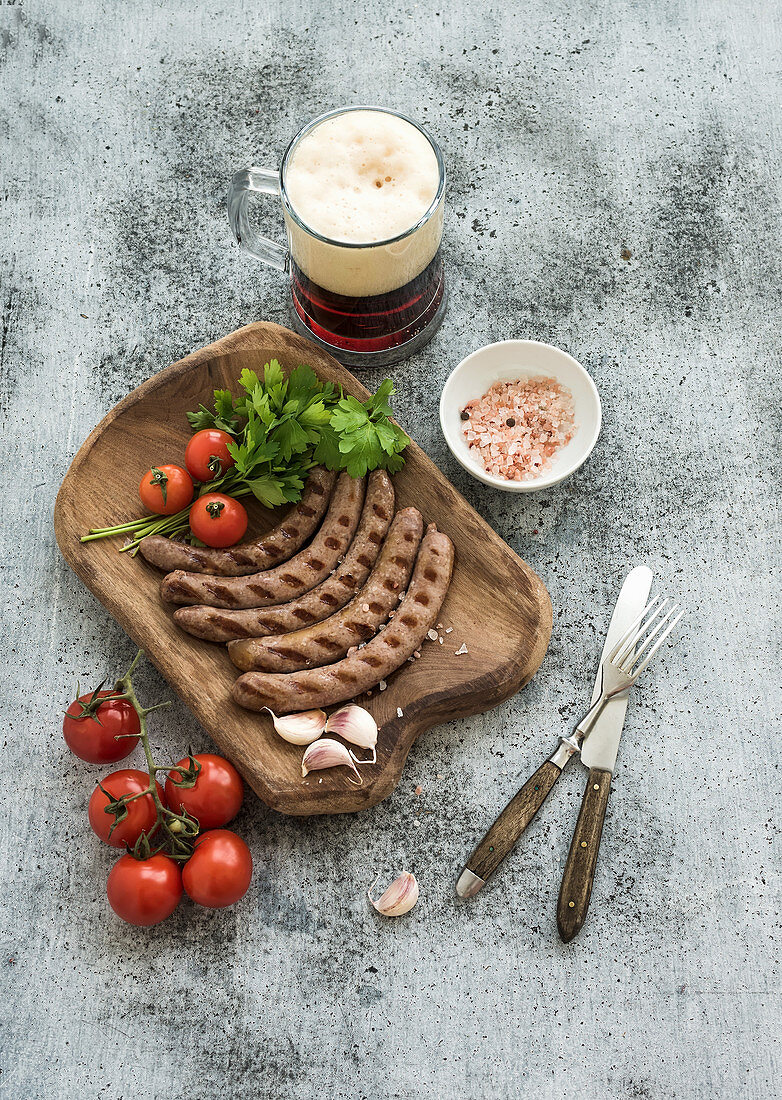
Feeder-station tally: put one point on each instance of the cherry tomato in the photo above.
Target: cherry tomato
(165, 490)
(207, 454)
(219, 871)
(215, 798)
(95, 736)
(218, 520)
(144, 891)
(142, 812)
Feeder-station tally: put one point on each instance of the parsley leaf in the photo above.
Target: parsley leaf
(283, 425)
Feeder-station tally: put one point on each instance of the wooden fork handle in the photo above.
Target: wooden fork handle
(576, 888)
(509, 826)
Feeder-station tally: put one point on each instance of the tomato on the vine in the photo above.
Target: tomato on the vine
(207, 456)
(144, 891)
(101, 733)
(219, 871)
(218, 520)
(142, 812)
(165, 490)
(215, 797)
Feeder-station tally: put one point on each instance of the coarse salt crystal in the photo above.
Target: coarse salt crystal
(448, 629)
(432, 635)
(461, 650)
(399, 712)
(542, 413)
(382, 685)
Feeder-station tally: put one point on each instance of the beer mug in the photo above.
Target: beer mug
(363, 191)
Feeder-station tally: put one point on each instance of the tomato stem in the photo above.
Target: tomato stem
(178, 830)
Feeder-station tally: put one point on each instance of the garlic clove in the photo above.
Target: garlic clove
(327, 753)
(399, 898)
(356, 725)
(300, 729)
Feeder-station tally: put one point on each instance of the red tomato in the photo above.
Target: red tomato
(219, 871)
(142, 812)
(96, 736)
(207, 454)
(165, 490)
(144, 891)
(218, 520)
(217, 795)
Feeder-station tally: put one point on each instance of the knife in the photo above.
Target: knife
(598, 753)
(520, 811)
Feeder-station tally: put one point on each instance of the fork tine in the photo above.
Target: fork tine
(628, 643)
(631, 631)
(656, 646)
(644, 641)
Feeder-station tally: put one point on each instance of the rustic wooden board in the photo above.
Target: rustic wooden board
(496, 603)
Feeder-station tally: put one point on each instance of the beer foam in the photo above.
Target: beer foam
(362, 177)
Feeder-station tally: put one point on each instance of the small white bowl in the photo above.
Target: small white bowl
(508, 360)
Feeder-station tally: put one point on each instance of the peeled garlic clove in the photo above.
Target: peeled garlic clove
(354, 724)
(300, 729)
(326, 753)
(399, 898)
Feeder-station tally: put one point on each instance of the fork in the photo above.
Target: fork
(620, 669)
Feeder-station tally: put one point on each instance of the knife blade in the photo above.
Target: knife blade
(598, 752)
(601, 744)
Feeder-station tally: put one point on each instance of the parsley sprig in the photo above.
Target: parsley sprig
(281, 427)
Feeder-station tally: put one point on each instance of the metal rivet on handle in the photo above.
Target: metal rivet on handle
(583, 844)
(596, 787)
(571, 905)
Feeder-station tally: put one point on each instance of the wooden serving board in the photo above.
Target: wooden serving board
(496, 604)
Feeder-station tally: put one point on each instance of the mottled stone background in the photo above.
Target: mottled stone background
(614, 188)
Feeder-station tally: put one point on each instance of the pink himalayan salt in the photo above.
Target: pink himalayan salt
(540, 411)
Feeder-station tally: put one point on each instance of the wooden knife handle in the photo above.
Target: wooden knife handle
(576, 888)
(512, 822)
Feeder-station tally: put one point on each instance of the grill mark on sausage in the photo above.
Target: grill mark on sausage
(354, 624)
(269, 549)
(331, 543)
(305, 570)
(285, 693)
(312, 606)
(431, 574)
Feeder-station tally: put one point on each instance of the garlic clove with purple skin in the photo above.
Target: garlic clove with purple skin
(399, 898)
(300, 729)
(327, 753)
(356, 725)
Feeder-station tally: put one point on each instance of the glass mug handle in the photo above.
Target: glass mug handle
(261, 181)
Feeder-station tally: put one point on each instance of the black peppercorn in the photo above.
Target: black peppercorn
(465, 415)
(511, 422)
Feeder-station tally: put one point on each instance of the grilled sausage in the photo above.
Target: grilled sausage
(287, 692)
(217, 625)
(273, 548)
(330, 639)
(306, 569)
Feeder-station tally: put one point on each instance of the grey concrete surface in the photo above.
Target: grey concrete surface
(614, 189)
